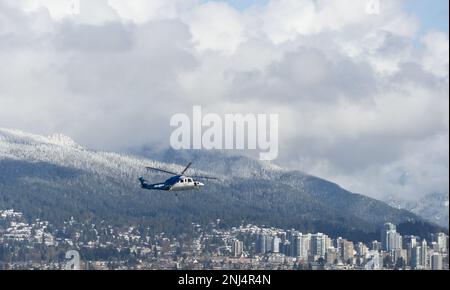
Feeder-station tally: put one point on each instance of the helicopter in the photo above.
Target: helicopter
(176, 183)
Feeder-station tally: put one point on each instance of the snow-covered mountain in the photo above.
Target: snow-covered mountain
(433, 207)
(55, 178)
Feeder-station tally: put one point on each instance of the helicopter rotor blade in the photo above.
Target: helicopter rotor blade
(187, 167)
(205, 177)
(161, 170)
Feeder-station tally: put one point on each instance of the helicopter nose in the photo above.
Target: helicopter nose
(199, 184)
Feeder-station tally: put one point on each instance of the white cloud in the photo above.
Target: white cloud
(140, 11)
(215, 26)
(360, 101)
(435, 57)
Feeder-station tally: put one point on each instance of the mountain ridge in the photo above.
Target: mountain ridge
(432, 207)
(46, 178)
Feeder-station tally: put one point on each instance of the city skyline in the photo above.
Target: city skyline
(264, 248)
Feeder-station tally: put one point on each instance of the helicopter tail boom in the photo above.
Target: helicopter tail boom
(156, 186)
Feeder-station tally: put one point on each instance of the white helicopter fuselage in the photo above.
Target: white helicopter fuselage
(186, 183)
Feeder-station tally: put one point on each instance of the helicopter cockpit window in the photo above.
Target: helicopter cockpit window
(190, 180)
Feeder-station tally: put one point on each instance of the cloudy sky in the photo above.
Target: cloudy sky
(363, 97)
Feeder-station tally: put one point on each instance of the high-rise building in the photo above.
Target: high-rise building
(328, 243)
(419, 256)
(347, 250)
(289, 234)
(261, 246)
(376, 246)
(409, 242)
(276, 245)
(269, 244)
(424, 259)
(441, 241)
(415, 257)
(338, 243)
(436, 261)
(305, 246)
(393, 241)
(238, 248)
(332, 255)
(435, 247)
(294, 242)
(385, 230)
(300, 245)
(318, 245)
(361, 249)
(285, 248)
